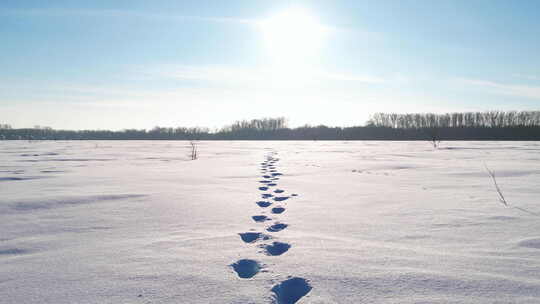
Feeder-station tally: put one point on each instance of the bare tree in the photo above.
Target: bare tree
(489, 119)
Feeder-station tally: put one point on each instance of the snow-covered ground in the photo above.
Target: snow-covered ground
(372, 222)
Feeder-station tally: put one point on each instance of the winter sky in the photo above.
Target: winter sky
(137, 64)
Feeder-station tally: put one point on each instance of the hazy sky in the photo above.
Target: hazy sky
(137, 64)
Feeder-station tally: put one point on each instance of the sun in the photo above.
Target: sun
(293, 36)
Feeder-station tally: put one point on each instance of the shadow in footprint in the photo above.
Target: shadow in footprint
(276, 248)
(278, 190)
(250, 237)
(260, 218)
(276, 174)
(263, 204)
(13, 251)
(265, 181)
(246, 268)
(530, 243)
(23, 178)
(266, 176)
(277, 227)
(280, 198)
(291, 290)
(278, 210)
(266, 195)
(271, 184)
(263, 188)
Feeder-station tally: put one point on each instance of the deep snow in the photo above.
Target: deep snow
(369, 222)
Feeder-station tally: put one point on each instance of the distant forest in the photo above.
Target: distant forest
(493, 125)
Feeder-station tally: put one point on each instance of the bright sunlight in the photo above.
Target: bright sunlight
(293, 36)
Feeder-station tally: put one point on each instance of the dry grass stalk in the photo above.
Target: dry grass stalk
(492, 175)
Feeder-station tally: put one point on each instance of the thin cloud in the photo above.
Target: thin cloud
(528, 77)
(116, 13)
(354, 78)
(505, 89)
(259, 76)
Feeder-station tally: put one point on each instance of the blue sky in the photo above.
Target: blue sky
(137, 64)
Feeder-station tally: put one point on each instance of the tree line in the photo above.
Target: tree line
(490, 119)
(493, 125)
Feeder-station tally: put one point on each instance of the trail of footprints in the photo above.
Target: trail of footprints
(273, 200)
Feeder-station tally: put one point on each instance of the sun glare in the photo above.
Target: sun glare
(293, 36)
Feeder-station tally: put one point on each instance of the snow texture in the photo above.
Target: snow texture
(344, 222)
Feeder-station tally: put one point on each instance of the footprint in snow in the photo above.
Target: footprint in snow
(277, 227)
(251, 237)
(280, 198)
(266, 195)
(291, 290)
(276, 248)
(278, 210)
(260, 218)
(246, 268)
(263, 204)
